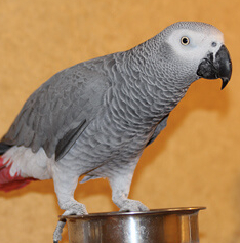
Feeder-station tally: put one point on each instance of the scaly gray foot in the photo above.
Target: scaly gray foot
(74, 208)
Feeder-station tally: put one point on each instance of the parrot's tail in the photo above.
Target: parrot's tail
(10, 182)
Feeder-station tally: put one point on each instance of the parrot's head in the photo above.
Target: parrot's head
(196, 50)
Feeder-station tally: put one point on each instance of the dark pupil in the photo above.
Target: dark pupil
(214, 44)
(185, 40)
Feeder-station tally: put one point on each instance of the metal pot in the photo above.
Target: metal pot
(175, 225)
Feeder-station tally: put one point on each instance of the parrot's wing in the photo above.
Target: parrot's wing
(161, 125)
(58, 112)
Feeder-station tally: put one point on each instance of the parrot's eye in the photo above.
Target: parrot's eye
(185, 40)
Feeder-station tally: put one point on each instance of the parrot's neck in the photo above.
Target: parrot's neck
(153, 93)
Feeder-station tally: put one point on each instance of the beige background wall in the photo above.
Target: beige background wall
(194, 162)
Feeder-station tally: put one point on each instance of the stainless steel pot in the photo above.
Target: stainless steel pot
(176, 225)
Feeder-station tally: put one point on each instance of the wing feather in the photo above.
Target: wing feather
(59, 110)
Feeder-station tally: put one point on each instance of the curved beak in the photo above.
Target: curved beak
(218, 67)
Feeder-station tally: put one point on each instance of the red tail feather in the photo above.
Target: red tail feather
(8, 182)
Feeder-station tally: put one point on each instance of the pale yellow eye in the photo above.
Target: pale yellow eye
(185, 40)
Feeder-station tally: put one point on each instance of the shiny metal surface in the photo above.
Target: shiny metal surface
(176, 225)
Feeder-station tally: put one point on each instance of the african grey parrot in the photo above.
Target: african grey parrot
(96, 118)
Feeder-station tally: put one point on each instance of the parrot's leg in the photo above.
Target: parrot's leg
(120, 184)
(65, 185)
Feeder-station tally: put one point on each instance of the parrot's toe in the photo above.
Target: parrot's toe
(133, 206)
(74, 208)
(57, 234)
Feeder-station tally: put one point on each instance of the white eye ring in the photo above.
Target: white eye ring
(185, 40)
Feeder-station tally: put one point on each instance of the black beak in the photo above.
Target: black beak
(220, 67)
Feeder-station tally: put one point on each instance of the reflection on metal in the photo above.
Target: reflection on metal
(177, 225)
(132, 230)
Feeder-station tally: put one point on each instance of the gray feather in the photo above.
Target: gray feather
(162, 124)
(59, 108)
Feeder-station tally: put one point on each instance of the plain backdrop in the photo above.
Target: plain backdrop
(195, 160)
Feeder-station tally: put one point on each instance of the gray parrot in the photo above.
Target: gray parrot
(97, 117)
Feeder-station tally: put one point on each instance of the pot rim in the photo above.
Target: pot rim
(163, 211)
